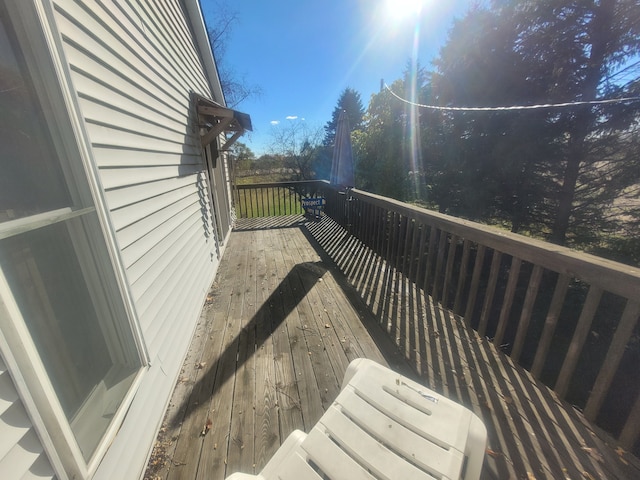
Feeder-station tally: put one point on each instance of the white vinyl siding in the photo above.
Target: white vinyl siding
(21, 452)
(134, 66)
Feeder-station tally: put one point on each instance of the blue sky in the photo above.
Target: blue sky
(303, 54)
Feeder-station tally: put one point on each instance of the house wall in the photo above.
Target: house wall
(134, 65)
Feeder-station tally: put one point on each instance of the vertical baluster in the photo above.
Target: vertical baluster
(631, 429)
(412, 251)
(397, 228)
(621, 337)
(512, 283)
(363, 220)
(442, 244)
(357, 221)
(451, 255)
(390, 230)
(368, 224)
(421, 250)
(527, 311)
(489, 294)
(244, 203)
(263, 193)
(284, 197)
(255, 196)
(381, 230)
(462, 279)
(475, 283)
(431, 252)
(577, 342)
(559, 294)
(404, 256)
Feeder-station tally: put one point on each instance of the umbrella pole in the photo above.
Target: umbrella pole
(348, 200)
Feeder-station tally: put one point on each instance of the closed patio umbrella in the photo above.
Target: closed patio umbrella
(342, 161)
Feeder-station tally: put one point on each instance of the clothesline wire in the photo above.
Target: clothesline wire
(513, 107)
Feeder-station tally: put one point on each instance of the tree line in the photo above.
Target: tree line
(568, 174)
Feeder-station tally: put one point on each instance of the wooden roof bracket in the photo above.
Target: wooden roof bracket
(215, 119)
(215, 130)
(230, 141)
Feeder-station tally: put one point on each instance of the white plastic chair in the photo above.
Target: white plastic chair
(383, 425)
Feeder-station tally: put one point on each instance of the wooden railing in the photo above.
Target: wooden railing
(273, 199)
(569, 318)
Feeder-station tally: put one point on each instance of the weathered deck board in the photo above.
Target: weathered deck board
(282, 325)
(267, 428)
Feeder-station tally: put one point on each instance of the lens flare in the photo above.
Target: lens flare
(400, 9)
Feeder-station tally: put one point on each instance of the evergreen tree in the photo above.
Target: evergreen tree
(351, 102)
(581, 46)
(378, 147)
(490, 166)
(390, 147)
(558, 169)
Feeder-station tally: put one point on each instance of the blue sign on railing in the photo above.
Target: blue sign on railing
(313, 203)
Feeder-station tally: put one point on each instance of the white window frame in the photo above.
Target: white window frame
(33, 21)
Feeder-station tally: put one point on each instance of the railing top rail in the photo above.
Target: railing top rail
(617, 278)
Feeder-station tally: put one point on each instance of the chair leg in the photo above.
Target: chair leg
(271, 469)
(476, 447)
(289, 446)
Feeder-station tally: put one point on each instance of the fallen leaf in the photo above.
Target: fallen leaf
(207, 427)
(596, 455)
(493, 453)
(621, 453)
(587, 475)
(531, 476)
(326, 325)
(201, 365)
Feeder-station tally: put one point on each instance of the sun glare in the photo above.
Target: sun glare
(401, 9)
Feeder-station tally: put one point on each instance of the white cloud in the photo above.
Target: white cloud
(292, 117)
(275, 122)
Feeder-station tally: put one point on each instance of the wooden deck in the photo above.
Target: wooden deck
(292, 304)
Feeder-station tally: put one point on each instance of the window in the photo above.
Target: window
(56, 275)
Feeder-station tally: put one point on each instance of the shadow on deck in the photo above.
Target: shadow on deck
(293, 303)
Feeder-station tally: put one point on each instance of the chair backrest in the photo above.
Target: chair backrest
(383, 426)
